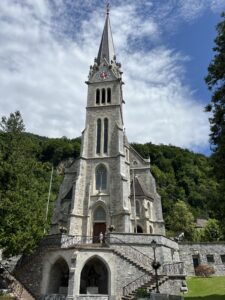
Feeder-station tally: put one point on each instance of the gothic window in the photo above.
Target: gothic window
(101, 178)
(97, 96)
(108, 95)
(149, 209)
(99, 132)
(150, 229)
(99, 214)
(137, 208)
(106, 122)
(103, 96)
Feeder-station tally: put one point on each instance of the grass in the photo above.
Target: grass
(212, 288)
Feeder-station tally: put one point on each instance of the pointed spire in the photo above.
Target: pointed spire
(106, 49)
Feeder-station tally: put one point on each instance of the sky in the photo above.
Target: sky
(165, 47)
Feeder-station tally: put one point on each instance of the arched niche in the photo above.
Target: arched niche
(139, 229)
(59, 277)
(94, 277)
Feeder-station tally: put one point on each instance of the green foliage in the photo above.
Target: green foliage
(182, 220)
(183, 175)
(212, 231)
(215, 80)
(14, 123)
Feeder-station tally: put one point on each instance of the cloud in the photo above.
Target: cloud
(46, 50)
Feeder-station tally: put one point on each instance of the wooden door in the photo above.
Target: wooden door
(98, 228)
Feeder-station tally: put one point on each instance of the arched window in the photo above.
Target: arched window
(101, 178)
(149, 210)
(108, 95)
(103, 96)
(106, 122)
(137, 208)
(139, 229)
(150, 229)
(99, 132)
(99, 214)
(97, 96)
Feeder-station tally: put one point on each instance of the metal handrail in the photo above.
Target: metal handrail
(133, 285)
(127, 244)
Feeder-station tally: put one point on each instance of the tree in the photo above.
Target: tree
(212, 231)
(216, 84)
(182, 220)
(24, 183)
(14, 123)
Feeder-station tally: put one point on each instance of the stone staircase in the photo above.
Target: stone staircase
(148, 283)
(13, 285)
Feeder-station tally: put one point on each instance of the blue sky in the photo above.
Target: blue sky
(164, 46)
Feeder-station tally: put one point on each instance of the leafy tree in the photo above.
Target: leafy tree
(216, 84)
(14, 123)
(212, 231)
(23, 189)
(182, 220)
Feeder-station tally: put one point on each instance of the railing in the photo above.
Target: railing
(174, 268)
(136, 284)
(55, 297)
(131, 253)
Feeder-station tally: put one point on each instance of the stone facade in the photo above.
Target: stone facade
(212, 254)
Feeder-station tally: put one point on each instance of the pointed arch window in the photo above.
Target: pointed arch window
(108, 95)
(106, 126)
(97, 96)
(149, 209)
(99, 214)
(103, 96)
(99, 132)
(138, 209)
(101, 178)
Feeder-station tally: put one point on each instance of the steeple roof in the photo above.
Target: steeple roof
(106, 49)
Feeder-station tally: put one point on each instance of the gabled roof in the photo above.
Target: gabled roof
(106, 49)
(139, 189)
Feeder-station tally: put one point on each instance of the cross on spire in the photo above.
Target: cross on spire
(107, 8)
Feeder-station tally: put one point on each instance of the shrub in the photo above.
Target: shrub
(204, 270)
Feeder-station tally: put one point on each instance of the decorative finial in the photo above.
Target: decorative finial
(107, 8)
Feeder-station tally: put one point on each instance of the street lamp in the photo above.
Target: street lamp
(155, 265)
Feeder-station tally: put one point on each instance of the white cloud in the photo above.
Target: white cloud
(43, 69)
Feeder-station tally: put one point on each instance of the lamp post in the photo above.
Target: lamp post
(155, 264)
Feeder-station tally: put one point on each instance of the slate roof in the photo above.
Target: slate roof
(106, 49)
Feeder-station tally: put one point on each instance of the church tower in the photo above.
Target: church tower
(110, 186)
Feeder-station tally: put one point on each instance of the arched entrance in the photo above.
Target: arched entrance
(99, 223)
(139, 229)
(94, 278)
(59, 278)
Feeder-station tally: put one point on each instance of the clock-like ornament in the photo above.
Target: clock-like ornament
(104, 75)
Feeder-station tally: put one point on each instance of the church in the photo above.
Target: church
(107, 237)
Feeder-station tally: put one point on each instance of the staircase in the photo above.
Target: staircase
(145, 282)
(16, 287)
(144, 263)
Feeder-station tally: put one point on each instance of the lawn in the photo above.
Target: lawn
(212, 288)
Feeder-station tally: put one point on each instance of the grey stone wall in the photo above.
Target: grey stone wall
(201, 250)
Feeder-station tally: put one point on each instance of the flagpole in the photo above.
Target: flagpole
(49, 194)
